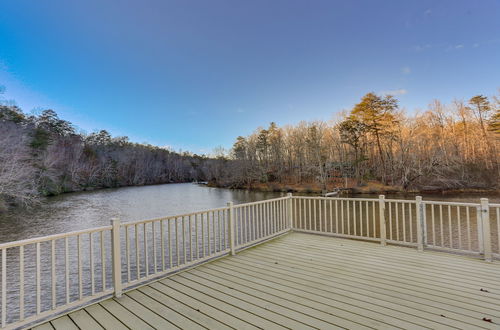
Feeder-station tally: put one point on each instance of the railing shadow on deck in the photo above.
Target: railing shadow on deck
(48, 276)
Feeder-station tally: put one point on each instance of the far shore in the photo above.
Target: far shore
(367, 189)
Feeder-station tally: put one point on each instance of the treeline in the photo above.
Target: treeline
(447, 146)
(44, 155)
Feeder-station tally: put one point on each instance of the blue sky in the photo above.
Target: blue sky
(195, 74)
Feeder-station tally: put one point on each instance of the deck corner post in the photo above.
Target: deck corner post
(289, 211)
(421, 230)
(485, 232)
(116, 257)
(231, 228)
(383, 234)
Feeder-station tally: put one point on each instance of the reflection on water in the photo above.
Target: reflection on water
(84, 210)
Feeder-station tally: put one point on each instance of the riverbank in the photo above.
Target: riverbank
(375, 188)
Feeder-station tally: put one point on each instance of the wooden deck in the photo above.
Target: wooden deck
(303, 281)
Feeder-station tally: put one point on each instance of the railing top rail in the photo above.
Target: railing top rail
(260, 202)
(52, 237)
(172, 217)
(355, 199)
(451, 203)
(387, 200)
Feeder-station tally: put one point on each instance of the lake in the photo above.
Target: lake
(82, 210)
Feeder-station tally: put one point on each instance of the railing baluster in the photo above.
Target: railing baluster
(170, 244)
(178, 255)
(374, 233)
(441, 227)
(80, 275)
(403, 211)
(396, 210)
(203, 234)
(103, 261)
(342, 216)
(268, 218)
(91, 252)
(450, 229)
(469, 241)
(336, 217)
(162, 244)
(433, 226)
(127, 251)
(368, 219)
(21, 282)
(191, 238)
(498, 228)
(146, 255)
(410, 221)
(459, 228)
(53, 273)
(360, 217)
(184, 246)
(4, 287)
(390, 220)
(330, 204)
(38, 296)
(137, 252)
(66, 266)
(349, 230)
(154, 247)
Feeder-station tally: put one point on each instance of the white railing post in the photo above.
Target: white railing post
(231, 228)
(289, 210)
(116, 257)
(421, 230)
(486, 234)
(383, 234)
(479, 221)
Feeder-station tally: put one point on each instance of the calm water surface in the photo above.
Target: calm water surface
(76, 211)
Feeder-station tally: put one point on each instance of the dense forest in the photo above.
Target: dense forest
(43, 155)
(376, 144)
(447, 146)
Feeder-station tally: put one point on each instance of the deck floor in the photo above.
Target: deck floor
(303, 281)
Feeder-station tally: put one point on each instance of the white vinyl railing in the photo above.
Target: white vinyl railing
(450, 226)
(46, 276)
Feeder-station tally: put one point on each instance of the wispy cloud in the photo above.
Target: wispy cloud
(394, 92)
(240, 110)
(406, 70)
(420, 48)
(428, 12)
(460, 46)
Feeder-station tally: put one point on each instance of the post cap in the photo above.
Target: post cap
(229, 204)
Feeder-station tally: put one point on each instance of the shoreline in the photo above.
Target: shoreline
(363, 190)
